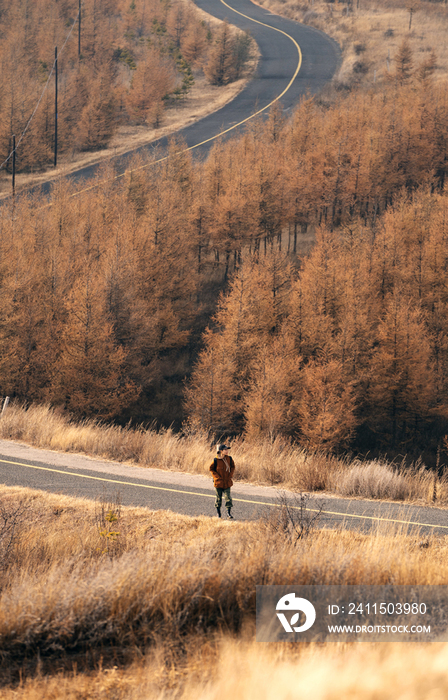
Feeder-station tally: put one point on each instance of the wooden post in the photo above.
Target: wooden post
(13, 165)
(79, 29)
(436, 474)
(55, 106)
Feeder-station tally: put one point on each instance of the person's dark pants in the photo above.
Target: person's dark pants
(227, 498)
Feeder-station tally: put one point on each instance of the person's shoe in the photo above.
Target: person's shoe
(218, 510)
(229, 514)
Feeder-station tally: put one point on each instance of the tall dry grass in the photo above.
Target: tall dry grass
(172, 575)
(177, 602)
(272, 462)
(367, 672)
(380, 480)
(243, 670)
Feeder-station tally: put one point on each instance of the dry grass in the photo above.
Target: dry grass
(380, 480)
(176, 601)
(244, 670)
(365, 672)
(371, 31)
(270, 462)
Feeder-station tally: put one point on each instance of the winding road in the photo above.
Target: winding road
(295, 60)
(193, 494)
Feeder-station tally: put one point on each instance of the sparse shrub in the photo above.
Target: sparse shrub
(107, 516)
(314, 471)
(295, 518)
(360, 67)
(12, 512)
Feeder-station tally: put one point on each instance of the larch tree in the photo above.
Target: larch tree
(211, 397)
(24, 348)
(220, 69)
(28, 343)
(248, 316)
(273, 388)
(96, 124)
(325, 411)
(404, 63)
(88, 376)
(402, 393)
(315, 300)
(153, 79)
(177, 22)
(194, 42)
(427, 68)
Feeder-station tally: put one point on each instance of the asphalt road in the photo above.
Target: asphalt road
(296, 60)
(191, 494)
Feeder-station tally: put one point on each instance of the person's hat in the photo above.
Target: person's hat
(223, 447)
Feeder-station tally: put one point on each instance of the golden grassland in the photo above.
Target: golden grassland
(165, 606)
(270, 462)
(370, 33)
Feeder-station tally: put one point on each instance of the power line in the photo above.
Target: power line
(42, 94)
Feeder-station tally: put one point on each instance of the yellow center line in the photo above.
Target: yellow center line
(101, 478)
(230, 128)
(208, 495)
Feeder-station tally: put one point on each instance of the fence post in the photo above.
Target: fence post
(5, 405)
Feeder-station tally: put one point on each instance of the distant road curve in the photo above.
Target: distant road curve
(296, 60)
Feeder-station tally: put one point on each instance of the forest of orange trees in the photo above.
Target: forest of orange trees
(181, 294)
(135, 58)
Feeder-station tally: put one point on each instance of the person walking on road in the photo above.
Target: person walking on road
(222, 469)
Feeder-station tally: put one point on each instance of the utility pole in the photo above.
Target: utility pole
(79, 29)
(13, 165)
(55, 106)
